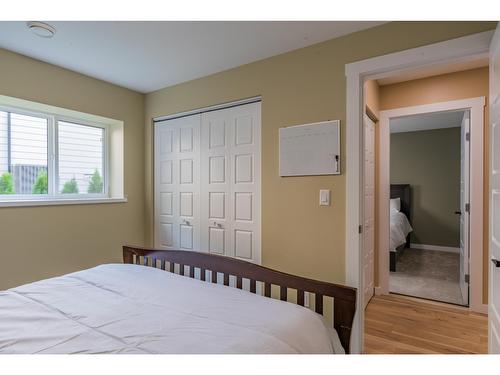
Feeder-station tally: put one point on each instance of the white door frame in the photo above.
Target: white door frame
(476, 107)
(454, 50)
(369, 203)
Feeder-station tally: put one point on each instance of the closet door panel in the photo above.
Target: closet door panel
(177, 183)
(233, 208)
(188, 198)
(245, 184)
(215, 183)
(165, 186)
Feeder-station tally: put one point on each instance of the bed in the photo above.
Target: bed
(400, 226)
(169, 301)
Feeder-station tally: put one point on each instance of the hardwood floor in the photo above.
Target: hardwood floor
(401, 325)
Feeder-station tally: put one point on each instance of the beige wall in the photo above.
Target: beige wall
(301, 86)
(467, 84)
(41, 242)
(429, 160)
(372, 100)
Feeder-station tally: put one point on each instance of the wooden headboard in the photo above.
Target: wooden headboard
(402, 191)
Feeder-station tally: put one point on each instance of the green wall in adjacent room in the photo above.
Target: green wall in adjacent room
(430, 162)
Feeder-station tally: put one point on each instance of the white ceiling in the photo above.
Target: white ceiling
(427, 121)
(147, 56)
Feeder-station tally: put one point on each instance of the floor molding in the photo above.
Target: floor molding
(447, 249)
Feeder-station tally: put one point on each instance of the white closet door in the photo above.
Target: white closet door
(230, 164)
(177, 183)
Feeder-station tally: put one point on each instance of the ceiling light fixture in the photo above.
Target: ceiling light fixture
(41, 29)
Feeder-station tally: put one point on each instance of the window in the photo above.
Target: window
(23, 153)
(45, 156)
(81, 158)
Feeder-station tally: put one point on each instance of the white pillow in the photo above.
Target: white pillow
(395, 204)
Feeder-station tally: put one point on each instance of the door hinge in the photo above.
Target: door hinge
(360, 229)
(467, 207)
(467, 137)
(467, 278)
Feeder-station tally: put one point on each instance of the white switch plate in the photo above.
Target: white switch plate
(324, 197)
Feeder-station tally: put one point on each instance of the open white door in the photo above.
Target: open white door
(494, 271)
(464, 207)
(369, 211)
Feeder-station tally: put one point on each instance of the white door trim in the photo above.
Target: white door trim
(460, 49)
(493, 193)
(476, 107)
(369, 205)
(211, 108)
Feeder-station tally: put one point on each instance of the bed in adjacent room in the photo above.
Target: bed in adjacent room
(400, 227)
(140, 307)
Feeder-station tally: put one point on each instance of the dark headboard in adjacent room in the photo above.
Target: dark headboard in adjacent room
(402, 191)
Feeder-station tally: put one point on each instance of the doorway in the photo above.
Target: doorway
(465, 211)
(428, 217)
(421, 60)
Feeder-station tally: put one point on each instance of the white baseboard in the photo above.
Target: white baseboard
(447, 249)
(482, 309)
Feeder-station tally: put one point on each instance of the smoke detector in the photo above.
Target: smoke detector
(41, 29)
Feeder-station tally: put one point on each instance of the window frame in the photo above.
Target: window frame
(53, 194)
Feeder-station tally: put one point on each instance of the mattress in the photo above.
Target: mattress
(400, 228)
(125, 308)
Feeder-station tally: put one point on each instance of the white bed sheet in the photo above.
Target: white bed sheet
(123, 308)
(400, 228)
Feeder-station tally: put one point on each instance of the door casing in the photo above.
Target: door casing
(462, 49)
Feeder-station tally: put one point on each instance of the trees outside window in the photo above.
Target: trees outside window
(96, 183)
(6, 183)
(41, 185)
(70, 187)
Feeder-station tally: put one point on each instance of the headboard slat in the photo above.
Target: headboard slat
(300, 297)
(318, 304)
(253, 286)
(283, 293)
(267, 289)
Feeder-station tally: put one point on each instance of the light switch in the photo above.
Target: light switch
(324, 197)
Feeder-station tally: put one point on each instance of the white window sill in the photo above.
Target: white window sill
(59, 202)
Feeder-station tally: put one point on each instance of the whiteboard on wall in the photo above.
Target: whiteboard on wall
(310, 149)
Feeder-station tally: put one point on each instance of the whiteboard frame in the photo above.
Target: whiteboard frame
(339, 172)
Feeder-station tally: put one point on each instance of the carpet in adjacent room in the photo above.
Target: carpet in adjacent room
(427, 274)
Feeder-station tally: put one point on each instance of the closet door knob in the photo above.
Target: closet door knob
(496, 262)
(458, 212)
